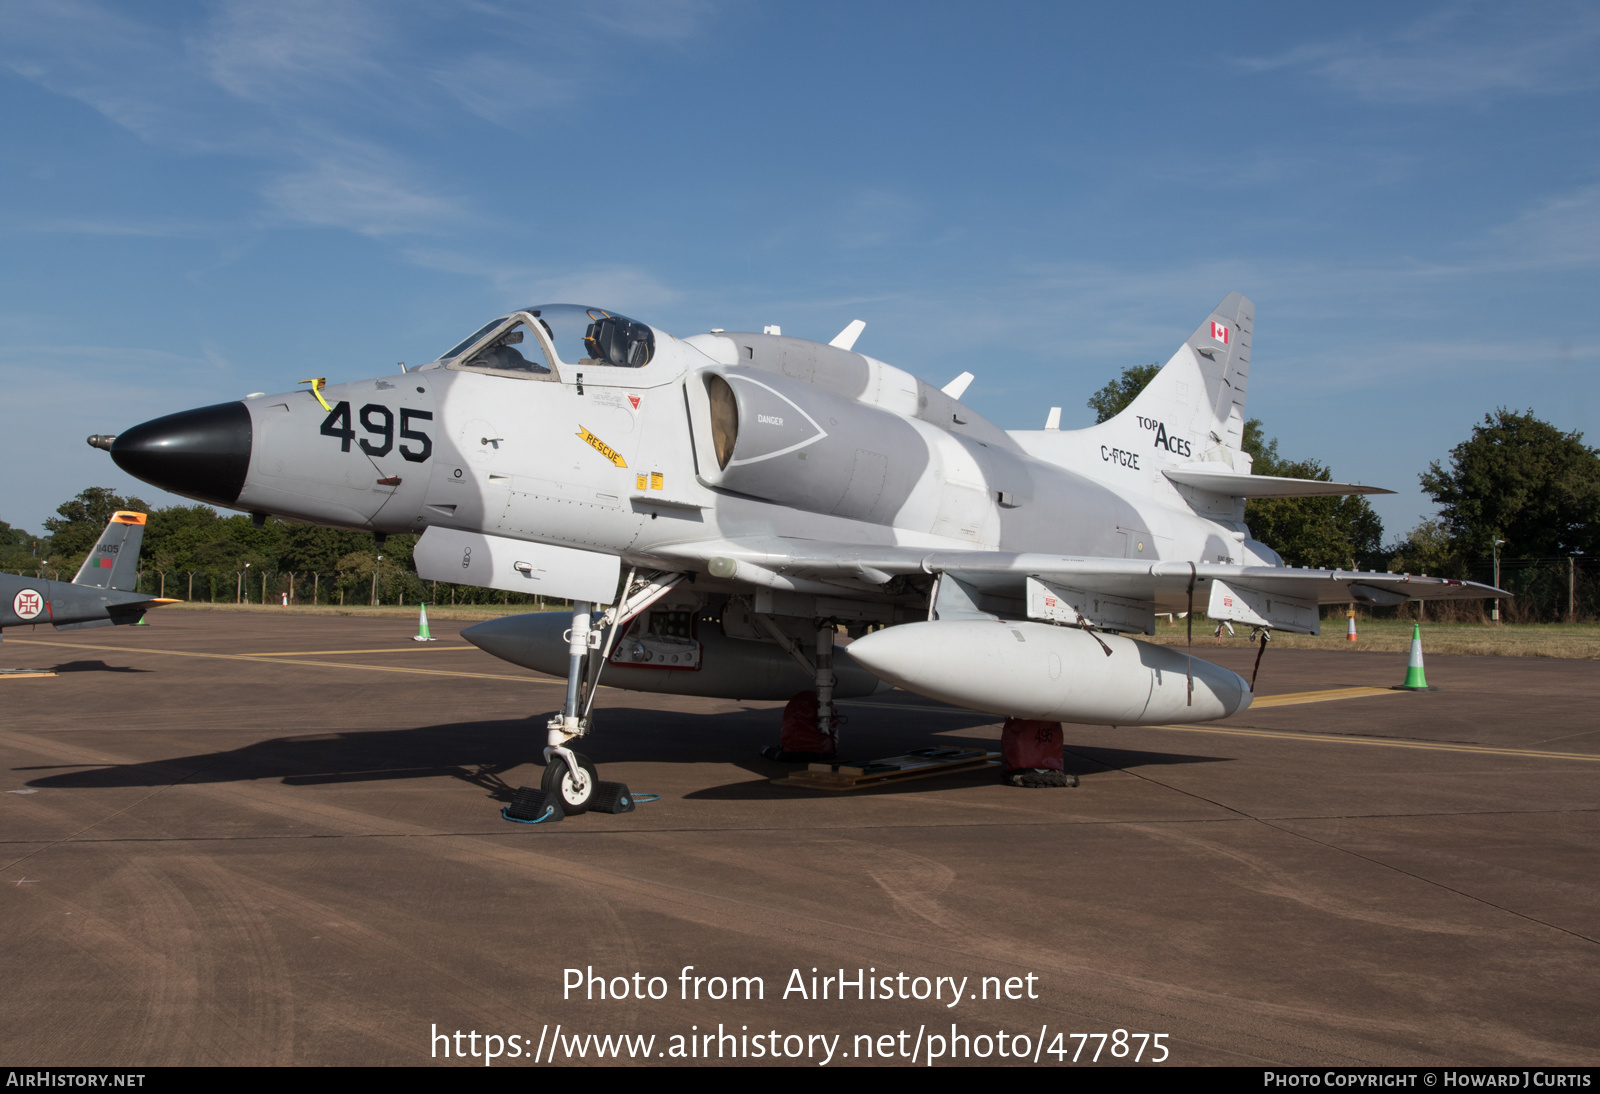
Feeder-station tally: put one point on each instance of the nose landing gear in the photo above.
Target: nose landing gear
(571, 778)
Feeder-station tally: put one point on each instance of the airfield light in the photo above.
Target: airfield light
(1497, 545)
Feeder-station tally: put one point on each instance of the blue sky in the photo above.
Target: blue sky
(200, 200)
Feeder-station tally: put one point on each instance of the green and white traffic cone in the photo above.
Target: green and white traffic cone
(422, 627)
(1415, 679)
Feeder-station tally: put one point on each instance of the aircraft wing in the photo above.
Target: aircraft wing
(1167, 583)
(1115, 593)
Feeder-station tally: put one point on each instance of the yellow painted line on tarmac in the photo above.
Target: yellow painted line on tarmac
(418, 648)
(260, 660)
(1425, 746)
(1287, 700)
(1295, 698)
(1292, 699)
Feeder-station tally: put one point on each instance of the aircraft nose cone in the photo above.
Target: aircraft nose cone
(202, 454)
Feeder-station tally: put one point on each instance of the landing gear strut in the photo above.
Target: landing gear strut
(825, 682)
(568, 774)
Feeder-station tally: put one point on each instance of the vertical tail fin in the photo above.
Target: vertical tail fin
(114, 562)
(1200, 392)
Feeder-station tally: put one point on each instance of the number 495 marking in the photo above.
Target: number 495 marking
(378, 420)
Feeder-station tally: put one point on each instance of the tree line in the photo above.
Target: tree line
(191, 552)
(1516, 486)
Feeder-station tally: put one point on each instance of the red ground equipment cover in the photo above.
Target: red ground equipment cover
(1026, 743)
(800, 727)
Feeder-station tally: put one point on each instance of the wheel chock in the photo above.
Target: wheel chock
(611, 798)
(531, 805)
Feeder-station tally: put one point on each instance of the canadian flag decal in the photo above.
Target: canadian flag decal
(1219, 332)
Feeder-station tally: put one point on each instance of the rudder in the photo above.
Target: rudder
(1201, 389)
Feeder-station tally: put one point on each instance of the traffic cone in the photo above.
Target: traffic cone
(1415, 680)
(422, 626)
(1350, 631)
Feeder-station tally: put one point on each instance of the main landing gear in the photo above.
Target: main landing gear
(810, 722)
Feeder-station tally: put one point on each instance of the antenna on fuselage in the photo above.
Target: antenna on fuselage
(846, 339)
(957, 387)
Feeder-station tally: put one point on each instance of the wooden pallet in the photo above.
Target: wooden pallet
(921, 763)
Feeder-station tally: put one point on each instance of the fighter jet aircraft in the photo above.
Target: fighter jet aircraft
(100, 596)
(730, 500)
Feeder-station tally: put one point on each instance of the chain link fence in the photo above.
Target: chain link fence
(391, 587)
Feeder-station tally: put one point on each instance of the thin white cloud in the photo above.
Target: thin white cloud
(291, 50)
(152, 227)
(1462, 53)
(509, 91)
(1563, 230)
(625, 288)
(361, 188)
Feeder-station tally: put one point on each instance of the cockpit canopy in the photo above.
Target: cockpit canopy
(566, 334)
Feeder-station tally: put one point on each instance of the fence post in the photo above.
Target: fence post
(1572, 589)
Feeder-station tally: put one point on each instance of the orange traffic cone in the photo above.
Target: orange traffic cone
(1350, 631)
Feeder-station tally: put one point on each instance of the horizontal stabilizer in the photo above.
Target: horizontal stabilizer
(1263, 486)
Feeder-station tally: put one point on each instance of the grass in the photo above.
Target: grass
(1573, 640)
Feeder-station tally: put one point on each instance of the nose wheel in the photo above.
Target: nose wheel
(575, 789)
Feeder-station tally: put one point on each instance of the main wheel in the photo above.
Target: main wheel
(558, 780)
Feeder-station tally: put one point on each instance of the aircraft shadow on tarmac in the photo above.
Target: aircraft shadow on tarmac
(482, 753)
(95, 666)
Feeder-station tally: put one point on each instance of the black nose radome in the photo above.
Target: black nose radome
(202, 454)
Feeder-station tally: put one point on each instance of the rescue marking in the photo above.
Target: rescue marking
(601, 447)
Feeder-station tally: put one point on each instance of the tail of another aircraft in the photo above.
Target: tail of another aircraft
(114, 562)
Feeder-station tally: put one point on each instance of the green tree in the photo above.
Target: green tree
(1114, 398)
(1521, 480)
(17, 548)
(1427, 549)
(1324, 533)
(80, 521)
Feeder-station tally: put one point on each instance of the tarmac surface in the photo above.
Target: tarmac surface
(246, 839)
